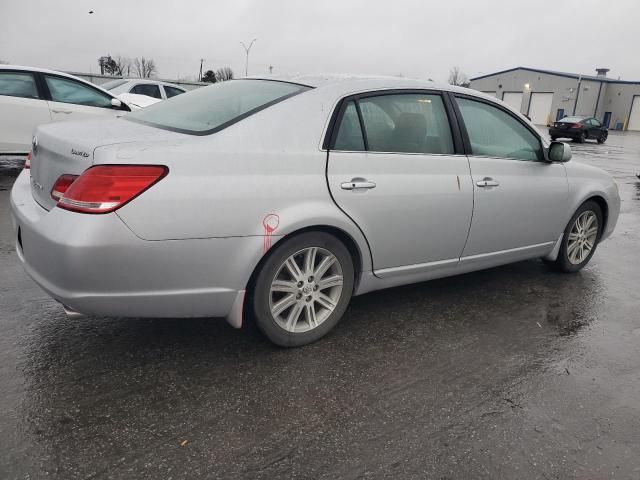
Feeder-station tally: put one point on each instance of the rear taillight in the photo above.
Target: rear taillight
(27, 162)
(105, 188)
(61, 186)
(575, 125)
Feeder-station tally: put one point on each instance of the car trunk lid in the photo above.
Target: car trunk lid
(67, 148)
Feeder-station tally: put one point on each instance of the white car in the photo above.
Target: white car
(140, 86)
(136, 101)
(33, 96)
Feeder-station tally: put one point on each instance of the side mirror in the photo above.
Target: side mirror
(559, 152)
(115, 103)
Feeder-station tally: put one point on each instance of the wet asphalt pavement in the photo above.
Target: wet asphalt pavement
(514, 373)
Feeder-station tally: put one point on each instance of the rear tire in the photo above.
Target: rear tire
(553, 139)
(580, 239)
(303, 289)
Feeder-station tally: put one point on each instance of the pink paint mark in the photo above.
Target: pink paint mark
(270, 222)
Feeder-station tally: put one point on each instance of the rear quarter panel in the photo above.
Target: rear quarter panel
(263, 176)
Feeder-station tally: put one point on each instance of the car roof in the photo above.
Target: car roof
(352, 82)
(149, 81)
(41, 70)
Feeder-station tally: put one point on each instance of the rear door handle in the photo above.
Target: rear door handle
(357, 183)
(487, 182)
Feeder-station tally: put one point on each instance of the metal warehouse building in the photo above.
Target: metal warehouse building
(546, 96)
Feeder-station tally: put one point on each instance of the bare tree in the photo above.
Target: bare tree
(209, 77)
(144, 67)
(223, 74)
(458, 77)
(122, 65)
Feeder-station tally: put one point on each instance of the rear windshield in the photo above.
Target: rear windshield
(210, 109)
(112, 84)
(572, 119)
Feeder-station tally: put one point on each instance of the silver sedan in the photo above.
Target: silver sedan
(278, 200)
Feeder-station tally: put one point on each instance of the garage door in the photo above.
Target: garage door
(513, 99)
(634, 118)
(540, 108)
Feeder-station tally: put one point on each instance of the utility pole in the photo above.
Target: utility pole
(577, 94)
(246, 50)
(200, 77)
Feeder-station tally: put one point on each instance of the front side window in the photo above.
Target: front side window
(595, 123)
(209, 109)
(18, 84)
(494, 133)
(406, 123)
(349, 135)
(69, 91)
(148, 89)
(172, 91)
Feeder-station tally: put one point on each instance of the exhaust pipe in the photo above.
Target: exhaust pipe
(71, 313)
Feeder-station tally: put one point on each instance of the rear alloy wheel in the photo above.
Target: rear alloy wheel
(603, 137)
(580, 239)
(303, 289)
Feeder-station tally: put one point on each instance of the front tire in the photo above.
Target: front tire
(580, 239)
(303, 289)
(603, 137)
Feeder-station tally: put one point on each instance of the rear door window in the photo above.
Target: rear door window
(406, 123)
(148, 89)
(494, 133)
(67, 90)
(18, 84)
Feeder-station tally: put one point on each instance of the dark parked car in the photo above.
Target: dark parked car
(579, 129)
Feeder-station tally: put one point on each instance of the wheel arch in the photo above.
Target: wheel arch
(358, 256)
(604, 207)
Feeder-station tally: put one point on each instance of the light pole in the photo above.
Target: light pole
(246, 50)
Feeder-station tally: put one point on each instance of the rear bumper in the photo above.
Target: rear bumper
(95, 265)
(561, 133)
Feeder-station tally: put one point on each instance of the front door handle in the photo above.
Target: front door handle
(357, 183)
(61, 111)
(487, 182)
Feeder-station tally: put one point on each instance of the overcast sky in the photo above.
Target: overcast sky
(414, 38)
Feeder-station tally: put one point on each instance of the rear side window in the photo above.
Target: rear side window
(69, 91)
(147, 89)
(209, 109)
(494, 133)
(18, 84)
(349, 136)
(172, 91)
(406, 123)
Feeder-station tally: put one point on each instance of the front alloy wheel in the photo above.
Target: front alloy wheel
(303, 288)
(580, 238)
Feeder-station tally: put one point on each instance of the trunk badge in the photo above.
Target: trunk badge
(78, 152)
